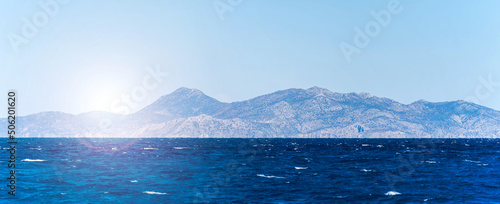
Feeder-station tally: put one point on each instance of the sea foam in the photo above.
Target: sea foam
(33, 160)
(277, 177)
(392, 193)
(154, 193)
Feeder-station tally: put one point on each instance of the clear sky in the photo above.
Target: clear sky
(79, 56)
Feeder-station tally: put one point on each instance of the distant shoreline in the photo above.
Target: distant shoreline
(234, 138)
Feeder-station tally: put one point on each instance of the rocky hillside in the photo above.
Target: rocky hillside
(311, 113)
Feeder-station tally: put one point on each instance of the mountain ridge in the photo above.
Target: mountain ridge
(304, 113)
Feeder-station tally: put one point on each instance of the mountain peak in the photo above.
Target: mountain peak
(183, 102)
(183, 95)
(185, 91)
(421, 101)
(318, 90)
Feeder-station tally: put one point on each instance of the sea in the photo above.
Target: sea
(182, 170)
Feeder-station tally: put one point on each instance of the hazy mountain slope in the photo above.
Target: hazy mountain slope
(315, 112)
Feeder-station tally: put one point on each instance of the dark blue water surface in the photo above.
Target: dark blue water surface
(254, 171)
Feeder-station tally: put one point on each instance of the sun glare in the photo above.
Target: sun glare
(101, 99)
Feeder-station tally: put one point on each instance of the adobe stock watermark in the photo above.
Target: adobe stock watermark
(31, 26)
(222, 178)
(409, 162)
(124, 105)
(372, 29)
(221, 7)
(484, 90)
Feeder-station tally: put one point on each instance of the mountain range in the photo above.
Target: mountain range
(292, 113)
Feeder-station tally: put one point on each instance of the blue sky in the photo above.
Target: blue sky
(86, 55)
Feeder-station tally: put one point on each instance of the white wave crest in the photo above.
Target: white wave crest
(33, 160)
(298, 167)
(154, 193)
(471, 161)
(150, 148)
(277, 177)
(392, 193)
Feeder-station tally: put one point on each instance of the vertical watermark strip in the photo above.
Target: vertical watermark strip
(11, 142)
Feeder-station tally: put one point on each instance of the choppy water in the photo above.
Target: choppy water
(255, 171)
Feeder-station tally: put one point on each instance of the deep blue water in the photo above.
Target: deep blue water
(255, 171)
